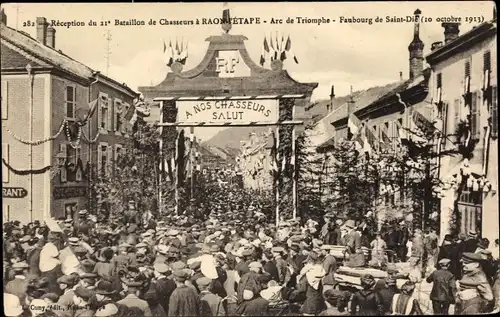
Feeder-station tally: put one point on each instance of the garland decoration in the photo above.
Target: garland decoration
(87, 139)
(63, 123)
(26, 172)
(78, 137)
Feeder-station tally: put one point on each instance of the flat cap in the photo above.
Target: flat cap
(25, 239)
(87, 263)
(172, 233)
(80, 250)
(444, 261)
(203, 281)
(67, 279)
(20, 266)
(106, 310)
(255, 265)
(214, 248)
(82, 292)
(141, 245)
(278, 249)
(73, 240)
(178, 265)
(88, 275)
(161, 268)
(469, 257)
(195, 265)
(82, 212)
(180, 274)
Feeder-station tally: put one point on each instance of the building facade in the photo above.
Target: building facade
(257, 162)
(50, 135)
(464, 91)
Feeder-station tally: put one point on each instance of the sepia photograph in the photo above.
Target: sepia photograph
(250, 159)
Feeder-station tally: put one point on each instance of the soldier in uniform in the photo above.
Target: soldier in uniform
(474, 291)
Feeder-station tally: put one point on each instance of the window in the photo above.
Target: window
(5, 169)
(475, 116)
(70, 210)
(104, 113)
(72, 154)
(5, 99)
(470, 210)
(102, 163)
(70, 102)
(118, 151)
(439, 81)
(494, 112)
(63, 172)
(125, 124)
(118, 115)
(467, 69)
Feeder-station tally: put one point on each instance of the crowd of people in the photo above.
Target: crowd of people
(235, 263)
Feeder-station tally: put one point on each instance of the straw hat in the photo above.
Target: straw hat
(11, 305)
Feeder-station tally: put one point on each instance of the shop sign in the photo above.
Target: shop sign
(69, 192)
(14, 192)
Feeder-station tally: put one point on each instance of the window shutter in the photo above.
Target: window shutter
(124, 122)
(5, 156)
(110, 159)
(115, 113)
(73, 102)
(5, 100)
(99, 159)
(494, 112)
(63, 149)
(79, 168)
(109, 118)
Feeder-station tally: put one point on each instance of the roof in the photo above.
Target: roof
(23, 44)
(362, 99)
(464, 41)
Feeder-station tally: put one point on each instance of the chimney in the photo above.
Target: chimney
(451, 31)
(3, 17)
(332, 96)
(41, 30)
(351, 104)
(400, 76)
(51, 37)
(416, 48)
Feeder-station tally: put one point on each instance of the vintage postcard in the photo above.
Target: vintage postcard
(245, 159)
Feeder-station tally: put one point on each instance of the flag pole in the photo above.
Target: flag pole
(277, 180)
(294, 180)
(162, 164)
(177, 173)
(191, 163)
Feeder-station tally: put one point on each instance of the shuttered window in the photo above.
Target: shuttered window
(475, 116)
(70, 102)
(494, 112)
(103, 159)
(5, 156)
(487, 60)
(102, 113)
(63, 172)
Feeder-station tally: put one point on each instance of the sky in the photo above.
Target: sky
(340, 54)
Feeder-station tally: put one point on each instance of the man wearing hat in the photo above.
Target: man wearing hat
(184, 300)
(336, 303)
(81, 301)
(444, 288)
(448, 250)
(352, 238)
(208, 300)
(162, 285)
(474, 290)
(83, 225)
(470, 244)
(19, 285)
(67, 285)
(281, 265)
(132, 299)
(249, 285)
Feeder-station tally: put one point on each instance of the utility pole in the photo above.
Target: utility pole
(108, 49)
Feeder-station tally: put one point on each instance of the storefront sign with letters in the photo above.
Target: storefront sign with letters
(69, 192)
(14, 192)
(220, 111)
